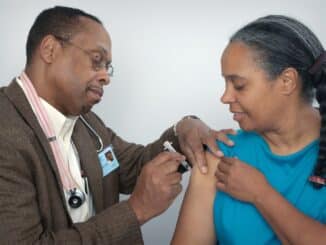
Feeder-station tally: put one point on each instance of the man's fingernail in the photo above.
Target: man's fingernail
(204, 170)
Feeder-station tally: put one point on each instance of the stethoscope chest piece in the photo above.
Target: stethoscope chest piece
(76, 198)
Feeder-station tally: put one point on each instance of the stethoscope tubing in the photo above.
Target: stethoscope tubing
(99, 139)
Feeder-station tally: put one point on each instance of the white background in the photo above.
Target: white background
(166, 58)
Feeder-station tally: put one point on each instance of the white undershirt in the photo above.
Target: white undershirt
(63, 127)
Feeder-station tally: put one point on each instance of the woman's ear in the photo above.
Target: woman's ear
(289, 79)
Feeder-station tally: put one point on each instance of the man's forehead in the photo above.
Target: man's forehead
(91, 25)
(92, 31)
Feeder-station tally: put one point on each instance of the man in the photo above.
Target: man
(109, 156)
(56, 186)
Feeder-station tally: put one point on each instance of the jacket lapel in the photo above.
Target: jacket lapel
(89, 162)
(81, 138)
(16, 95)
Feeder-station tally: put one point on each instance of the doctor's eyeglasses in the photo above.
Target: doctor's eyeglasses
(97, 59)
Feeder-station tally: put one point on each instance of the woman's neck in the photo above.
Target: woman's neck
(294, 132)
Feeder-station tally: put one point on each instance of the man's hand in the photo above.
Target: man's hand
(157, 186)
(193, 134)
(240, 180)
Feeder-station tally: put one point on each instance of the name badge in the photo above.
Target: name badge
(108, 161)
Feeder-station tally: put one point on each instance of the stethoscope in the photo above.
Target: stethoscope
(98, 137)
(76, 196)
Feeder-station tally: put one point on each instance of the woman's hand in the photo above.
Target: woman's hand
(240, 180)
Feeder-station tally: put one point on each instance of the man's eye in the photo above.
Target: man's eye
(97, 57)
(97, 61)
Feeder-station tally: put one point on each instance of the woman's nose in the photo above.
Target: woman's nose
(228, 95)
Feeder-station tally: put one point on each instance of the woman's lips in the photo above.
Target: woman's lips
(237, 116)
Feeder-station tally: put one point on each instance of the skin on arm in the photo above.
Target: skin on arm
(195, 223)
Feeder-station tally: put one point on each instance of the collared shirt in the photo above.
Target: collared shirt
(63, 127)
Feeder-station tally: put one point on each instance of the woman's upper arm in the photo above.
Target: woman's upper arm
(195, 223)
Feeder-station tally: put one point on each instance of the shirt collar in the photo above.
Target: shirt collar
(63, 126)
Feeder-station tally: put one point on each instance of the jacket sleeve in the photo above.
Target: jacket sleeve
(132, 157)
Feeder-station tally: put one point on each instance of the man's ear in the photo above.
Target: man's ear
(48, 48)
(289, 81)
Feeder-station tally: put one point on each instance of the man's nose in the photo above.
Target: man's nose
(103, 76)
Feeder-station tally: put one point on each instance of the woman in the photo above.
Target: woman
(271, 183)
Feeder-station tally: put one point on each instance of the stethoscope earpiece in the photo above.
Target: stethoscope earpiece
(76, 198)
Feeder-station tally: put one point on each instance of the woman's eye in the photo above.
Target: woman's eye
(239, 87)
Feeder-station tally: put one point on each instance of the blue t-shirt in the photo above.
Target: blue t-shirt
(238, 222)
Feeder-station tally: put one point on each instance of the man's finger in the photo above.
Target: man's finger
(222, 136)
(200, 157)
(229, 131)
(175, 190)
(190, 156)
(174, 178)
(211, 144)
(167, 156)
(170, 167)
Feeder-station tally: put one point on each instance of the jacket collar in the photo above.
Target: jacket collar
(89, 162)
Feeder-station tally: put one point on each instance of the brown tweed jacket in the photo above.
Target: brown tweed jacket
(32, 207)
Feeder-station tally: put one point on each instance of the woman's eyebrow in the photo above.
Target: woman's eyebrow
(233, 77)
